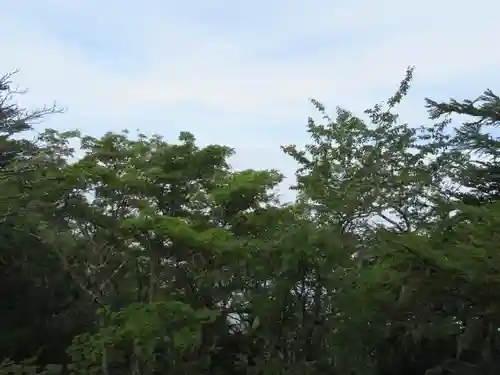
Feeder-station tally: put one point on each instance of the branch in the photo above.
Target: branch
(68, 269)
(113, 274)
(405, 218)
(392, 222)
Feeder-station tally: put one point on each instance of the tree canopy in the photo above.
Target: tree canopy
(149, 256)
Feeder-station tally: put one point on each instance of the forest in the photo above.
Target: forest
(147, 256)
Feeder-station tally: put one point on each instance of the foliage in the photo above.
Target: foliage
(145, 256)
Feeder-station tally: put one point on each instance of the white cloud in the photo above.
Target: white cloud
(188, 63)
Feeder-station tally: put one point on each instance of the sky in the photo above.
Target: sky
(242, 73)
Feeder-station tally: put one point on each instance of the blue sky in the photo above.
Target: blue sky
(241, 73)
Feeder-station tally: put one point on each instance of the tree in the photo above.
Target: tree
(414, 303)
(39, 301)
(146, 256)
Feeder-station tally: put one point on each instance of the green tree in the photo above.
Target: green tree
(150, 227)
(146, 256)
(408, 295)
(38, 316)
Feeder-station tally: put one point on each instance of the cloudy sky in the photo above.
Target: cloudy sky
(241, 73)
